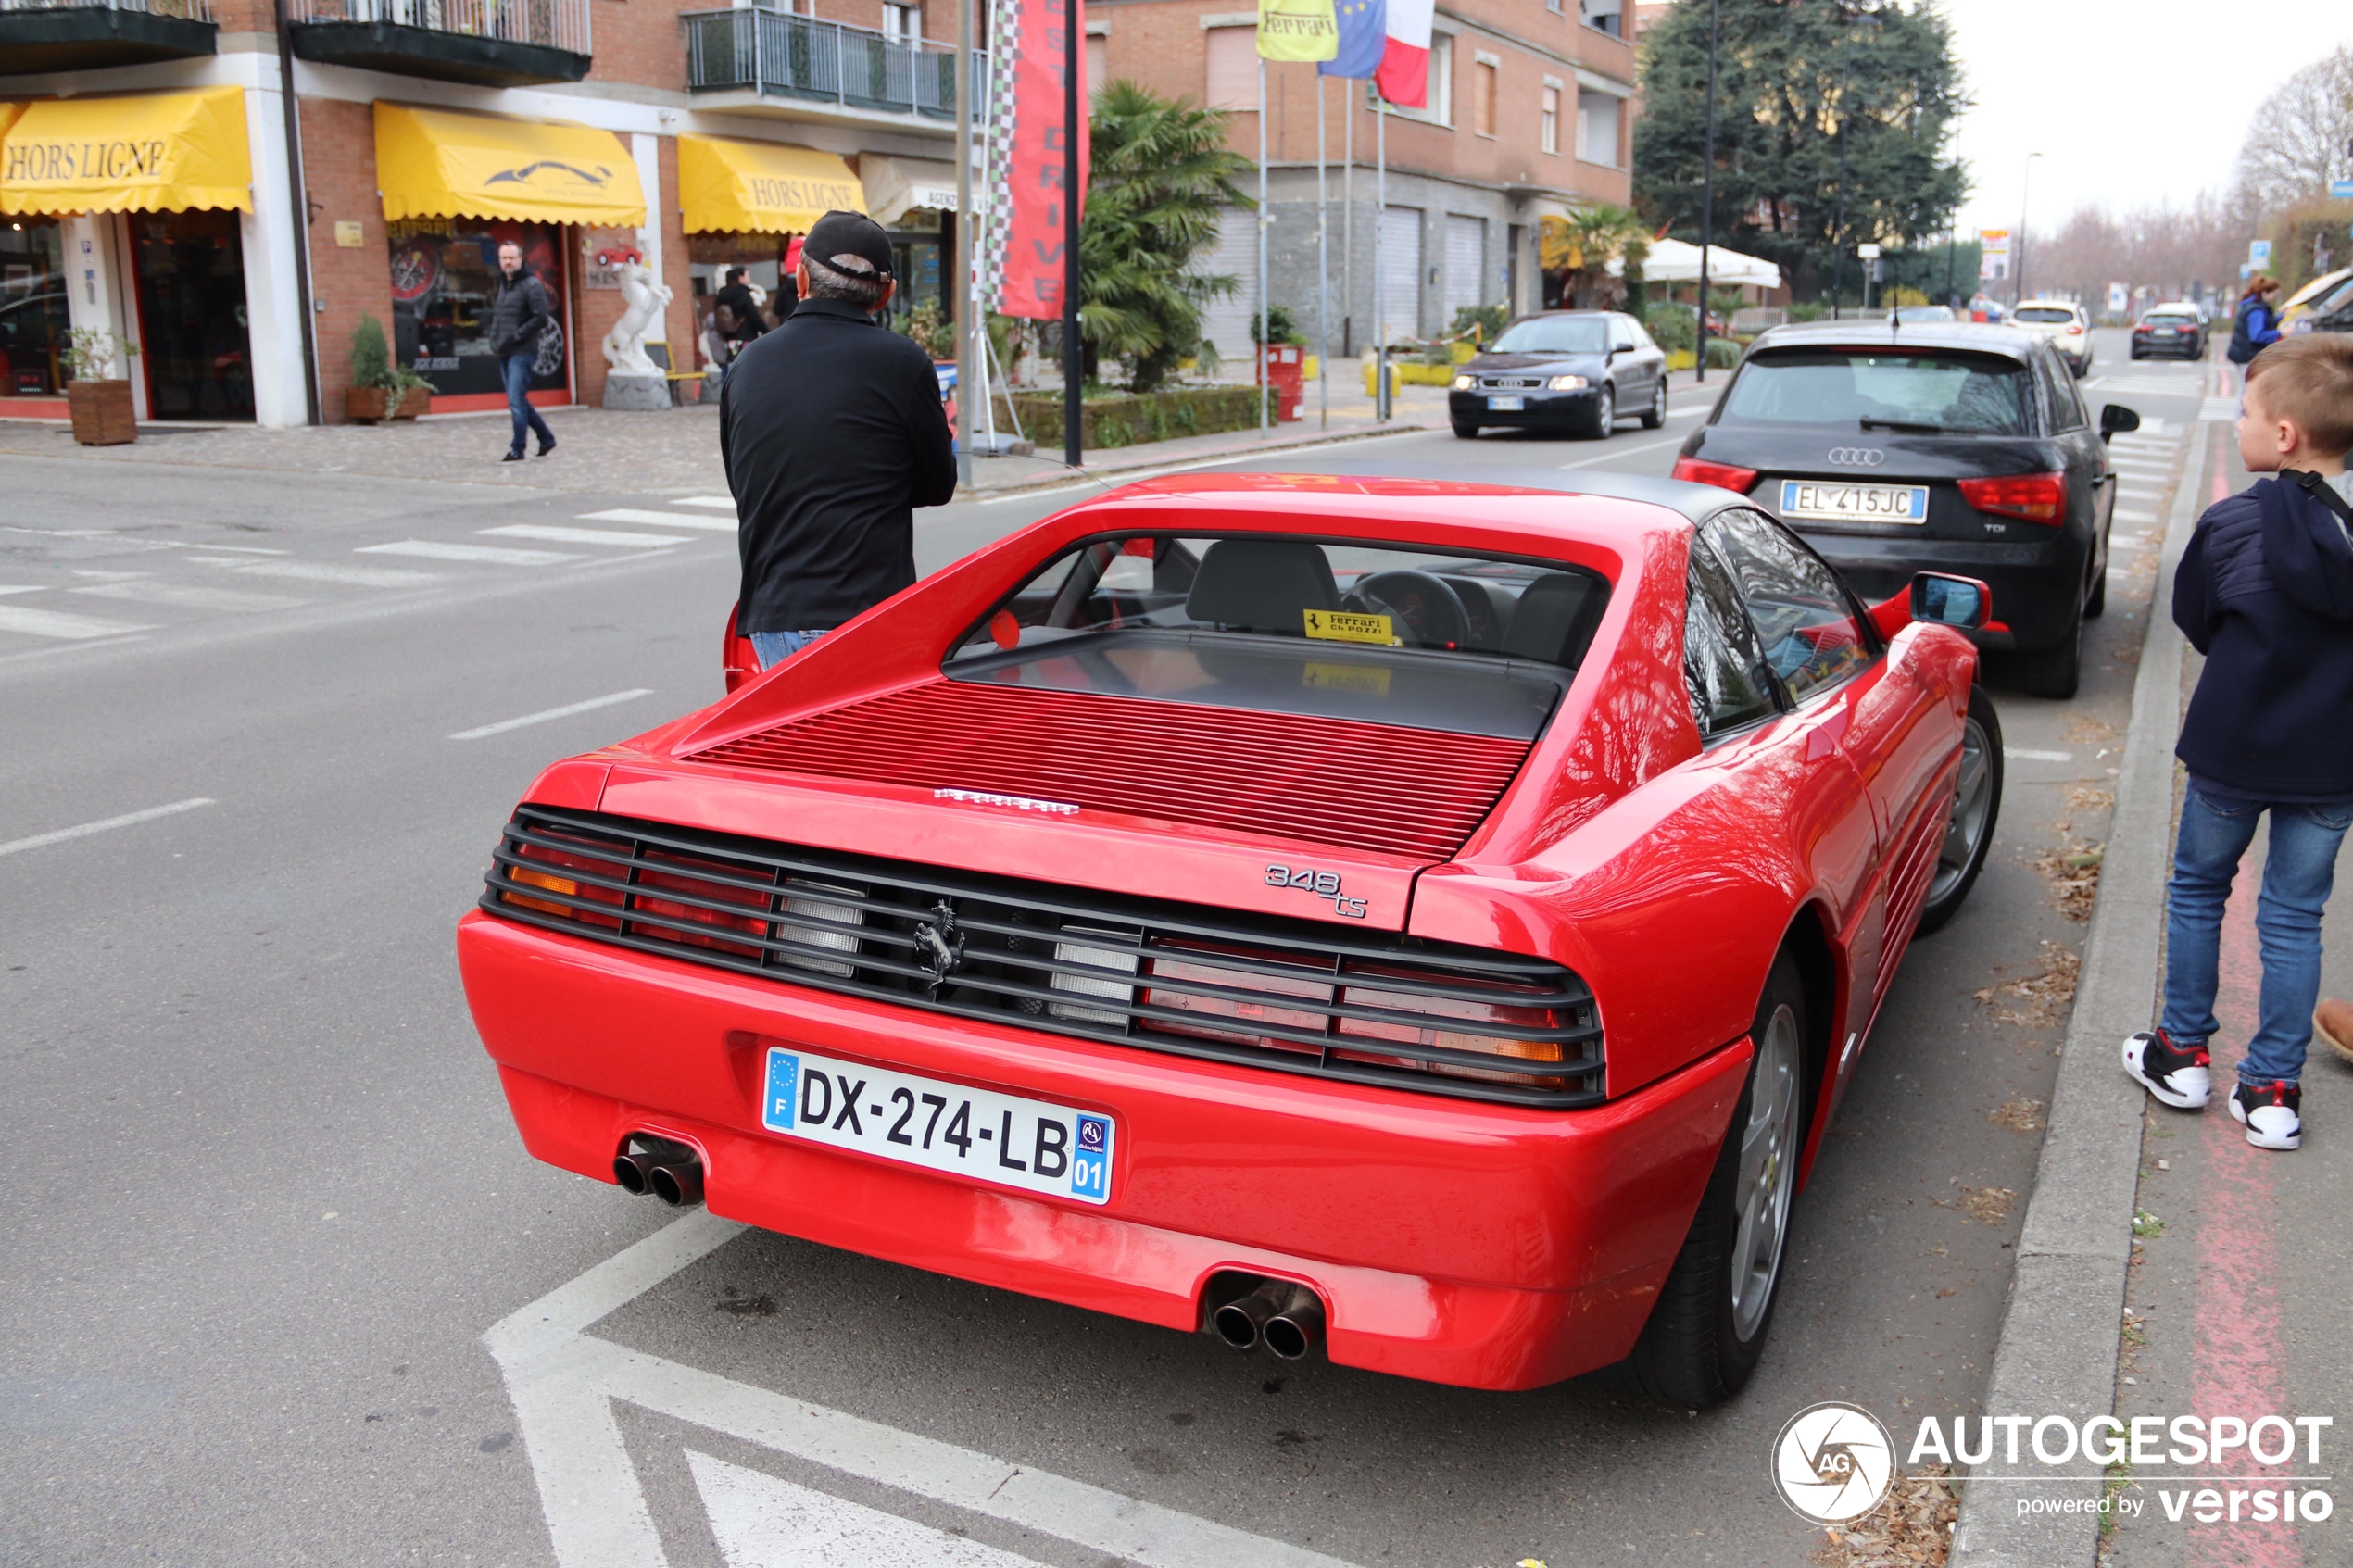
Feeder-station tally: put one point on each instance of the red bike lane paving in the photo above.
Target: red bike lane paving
(2244, 1241)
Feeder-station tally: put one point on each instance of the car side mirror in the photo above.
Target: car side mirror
(1615, 349)
(1940, 600)
(2114, 419)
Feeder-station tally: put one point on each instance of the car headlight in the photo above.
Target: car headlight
(1464, 383)
(1567, 384)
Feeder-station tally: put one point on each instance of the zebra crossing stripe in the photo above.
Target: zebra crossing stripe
(57, 623)
(662, 520)
(560, 535)
(323, 571)
(487, 555)
(188, 595)
(722, 503)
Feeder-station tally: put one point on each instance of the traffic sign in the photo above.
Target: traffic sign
(2341, 188)
(1868, 252)
(2259, 253)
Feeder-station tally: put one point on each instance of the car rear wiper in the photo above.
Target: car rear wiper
(1909, 427)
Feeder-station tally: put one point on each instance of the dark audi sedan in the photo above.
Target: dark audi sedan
(1897, 449)
(1570, 372)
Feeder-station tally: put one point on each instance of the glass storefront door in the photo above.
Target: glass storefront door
(34, 330)
(193, 348)
(445, 280)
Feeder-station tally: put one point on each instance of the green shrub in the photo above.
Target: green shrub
(372, 362)
(1489, 319)
(1813, 310)
(1280, 324)
(1722, 354)
(1133, 419)
(1674, 326)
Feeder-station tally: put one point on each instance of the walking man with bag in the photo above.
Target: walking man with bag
(832, 432)
(518, 316)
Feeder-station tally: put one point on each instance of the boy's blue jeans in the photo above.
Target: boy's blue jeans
(2297, 872)
(773, 648)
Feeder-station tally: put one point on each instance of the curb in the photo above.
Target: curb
(1065, 478)
(2056, 1353)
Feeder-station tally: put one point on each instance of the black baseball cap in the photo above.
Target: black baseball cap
(849, 233)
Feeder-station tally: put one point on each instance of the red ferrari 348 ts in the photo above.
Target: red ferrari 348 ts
(1432, 921)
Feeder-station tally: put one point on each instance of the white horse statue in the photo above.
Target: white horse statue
(644, 297)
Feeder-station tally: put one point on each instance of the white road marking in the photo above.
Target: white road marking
(1118, 477)
(2124, 516)
(1689, 413)
(488, 555)
(576, 535)
(2220, 408)
(323, 571)
(662, 520)
(128, 819)
(57, 623)
(564, 1383)
(760, 1522)
(1623, 452)
(724, 503)
(2021, 754)
(227, 549)
(542, 716)
(187, 596)
(21, 587)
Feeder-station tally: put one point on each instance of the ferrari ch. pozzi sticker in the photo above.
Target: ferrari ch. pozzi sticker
(1345, 626)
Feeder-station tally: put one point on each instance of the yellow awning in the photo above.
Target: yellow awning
(895, 186)
(730, 187)
(441, 163)
(162, 151)
(9, 113)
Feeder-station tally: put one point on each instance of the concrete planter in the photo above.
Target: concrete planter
(101, 410)
(379, 405)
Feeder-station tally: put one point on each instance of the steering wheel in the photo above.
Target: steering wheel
(1432, 611)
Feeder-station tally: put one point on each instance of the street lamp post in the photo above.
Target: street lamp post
(2025, 189)
(1707, 201)
(1838, 220)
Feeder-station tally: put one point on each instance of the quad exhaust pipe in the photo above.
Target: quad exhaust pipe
(1285, 1316)
(671, 1171)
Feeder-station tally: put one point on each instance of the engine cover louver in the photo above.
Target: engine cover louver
(1341, 781)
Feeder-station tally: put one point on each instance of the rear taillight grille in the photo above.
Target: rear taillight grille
(1288, 995)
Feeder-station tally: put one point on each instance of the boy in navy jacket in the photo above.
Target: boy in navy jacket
(2265, 591)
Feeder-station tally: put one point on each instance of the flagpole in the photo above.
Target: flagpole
(1381, 407)
(1073, 356)
(1265, 382)
(960, 293)
(1348, 222)
(1323, 274)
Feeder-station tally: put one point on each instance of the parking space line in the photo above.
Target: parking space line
(577, 535)
(762, 1522)
(128, 819)
(662, 520)
(545, 714)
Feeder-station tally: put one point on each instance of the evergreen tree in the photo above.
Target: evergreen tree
(1788, 72)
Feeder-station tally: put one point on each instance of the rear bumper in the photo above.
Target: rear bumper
(1486, 1246)
(2037, 584)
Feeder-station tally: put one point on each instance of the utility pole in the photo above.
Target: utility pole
(1707, 200)
(2018, 272)
(1838, 221)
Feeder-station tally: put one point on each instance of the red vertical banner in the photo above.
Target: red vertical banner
(1032, 279)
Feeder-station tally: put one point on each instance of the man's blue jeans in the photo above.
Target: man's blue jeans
(2298, 871)
(516, 369)
(773, 648)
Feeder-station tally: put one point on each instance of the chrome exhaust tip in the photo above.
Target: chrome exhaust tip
(1240, 1322)
(631, 1173)
(1297, 1329)
(678, 1183)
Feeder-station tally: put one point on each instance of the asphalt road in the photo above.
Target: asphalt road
(267, 1198)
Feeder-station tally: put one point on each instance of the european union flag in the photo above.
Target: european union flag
(1364, 29)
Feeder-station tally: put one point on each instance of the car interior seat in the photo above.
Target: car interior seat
(1555, 619)
(1262, 584)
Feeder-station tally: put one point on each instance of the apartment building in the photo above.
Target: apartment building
(1528, 116)
(229, 186)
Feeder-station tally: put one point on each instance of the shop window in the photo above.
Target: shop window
(444, 283)
(34, 330)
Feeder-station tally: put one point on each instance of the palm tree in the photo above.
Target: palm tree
(1160, 175)
(1598, 235)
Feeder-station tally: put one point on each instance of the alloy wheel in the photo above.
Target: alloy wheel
(1767, 1174)
(1972, 808)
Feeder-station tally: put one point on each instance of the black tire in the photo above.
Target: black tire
(1605, 414)
(1690, 1352)
(1964, 854)
(2057, 670)
(2134, 353)
(1655, 415)
(1466, 432)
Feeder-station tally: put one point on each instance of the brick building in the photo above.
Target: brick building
(154, 186)
(1528, 118)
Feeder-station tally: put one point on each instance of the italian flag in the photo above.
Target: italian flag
(1405, 63)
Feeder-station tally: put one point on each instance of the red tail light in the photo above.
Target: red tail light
(1723, 476)
(674, 921)
(2075, 328)
(2037, 498)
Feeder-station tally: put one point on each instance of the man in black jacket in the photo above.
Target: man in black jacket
(831, 432)
(518, 316)
(2265, 591)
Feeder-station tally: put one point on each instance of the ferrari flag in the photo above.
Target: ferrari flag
(1363, 30)
(1405, 62)
(1297, 29)
(1021, 233)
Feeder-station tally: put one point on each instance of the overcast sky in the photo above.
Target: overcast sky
(2130, 102)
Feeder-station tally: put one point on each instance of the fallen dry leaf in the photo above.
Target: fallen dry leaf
(2090, 798)
(2019, 1115)
(2073, 875)
(1912, 1527)
(1988, 1206)
(2042, 998)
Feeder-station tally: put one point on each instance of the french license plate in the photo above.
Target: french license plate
(1506, 405)
(980, 1133)
(1855, 503)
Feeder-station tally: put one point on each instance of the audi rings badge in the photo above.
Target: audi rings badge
(1857, 457)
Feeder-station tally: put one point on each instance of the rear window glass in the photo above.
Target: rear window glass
(1473, 644)
(2046, 316)
(1973, 394)
(1553, 335)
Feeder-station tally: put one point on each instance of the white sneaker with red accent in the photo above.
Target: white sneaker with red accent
(2272, 1113)
(2182, 1079)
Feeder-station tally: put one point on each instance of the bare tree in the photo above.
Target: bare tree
(2302, 137)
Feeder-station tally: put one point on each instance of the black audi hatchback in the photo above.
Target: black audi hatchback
(1930, 447)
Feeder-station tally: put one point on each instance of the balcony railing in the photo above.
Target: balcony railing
(781, 55)
(553, 24)
(185, 10)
